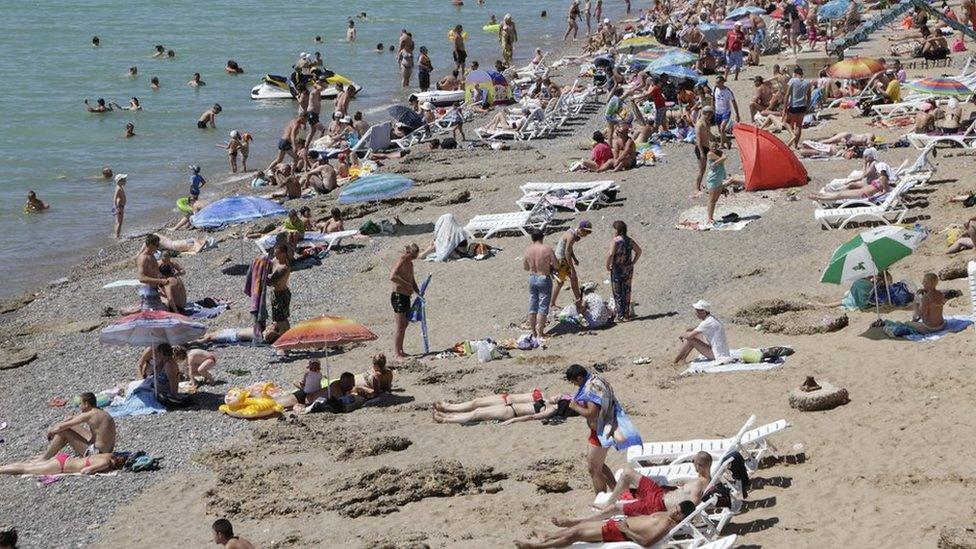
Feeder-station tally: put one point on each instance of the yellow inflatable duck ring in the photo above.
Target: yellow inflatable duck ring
(240, 403)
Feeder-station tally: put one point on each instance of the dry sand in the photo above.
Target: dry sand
(889, 468)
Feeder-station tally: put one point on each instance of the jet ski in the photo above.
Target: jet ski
(274, 86)
(439, 98)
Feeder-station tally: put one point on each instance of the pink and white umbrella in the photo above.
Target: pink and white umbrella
(152, 328)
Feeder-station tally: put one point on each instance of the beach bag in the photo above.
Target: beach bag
(369, 228)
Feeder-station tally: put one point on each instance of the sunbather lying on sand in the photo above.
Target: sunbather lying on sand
(339, 394)
(188, 245)
(505, 408)
(814, 149)
(878, 186)
(62, 463)
(230, 336)
(645, 530)
(650, 497)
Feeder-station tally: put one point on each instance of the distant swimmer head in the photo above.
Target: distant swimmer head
(160, 48)
(379, 47)
(217, 108)
(107, 172)
(170, 53)
(101, 102)
(391, 47)
(133, 70)
(318, 39)
(544, 14)
(95, 41)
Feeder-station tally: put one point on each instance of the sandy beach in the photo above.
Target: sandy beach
(888, 468)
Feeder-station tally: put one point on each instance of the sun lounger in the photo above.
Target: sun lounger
(579, 186)
(754, 445)
(966, 139)
(488, 225)
(695, 539)
(572, 200)
(892, 210)
(266, 242)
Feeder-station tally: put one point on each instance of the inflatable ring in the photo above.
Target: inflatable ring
(183, 205)
(450, 35)
(239, 403)
(492, 28)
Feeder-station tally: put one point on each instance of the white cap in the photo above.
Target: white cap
(337, 115)
(345, 120)
(427, 106)
(121, 177)
(234, 134)
(701, 305)
(304, 55)
(870, 152)
(606, 20)
(883, 167)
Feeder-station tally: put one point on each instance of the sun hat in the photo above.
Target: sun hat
(194, 168)
(870, 152)
(121, 177)
(701, 305)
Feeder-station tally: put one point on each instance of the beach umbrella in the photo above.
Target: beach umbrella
(744, 11)
(676, 71)
(940, 86)
(235, 209)
(871, 253)
(713, 32)
(637, 43)
(677, 57)
(833, 10)
(374, 187)
(767, 162)
(495, 82)
(149, 329)
(855, 68)
(405, 116)
(323, 332)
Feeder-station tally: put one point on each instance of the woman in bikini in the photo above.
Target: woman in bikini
(63, 464)
(503, 407)
(378, 380)
(878, 186)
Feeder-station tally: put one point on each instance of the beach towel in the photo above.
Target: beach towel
(901, 330)
(122, 284)
(256, 286)
(613, 425)
(140, 400)
(199, 310)
(448, 233)
(732, 363)
(746, 211)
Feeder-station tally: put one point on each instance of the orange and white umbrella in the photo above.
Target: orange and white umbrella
(321, 333)
(855, 68)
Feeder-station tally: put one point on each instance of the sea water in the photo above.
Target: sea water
(50, 144)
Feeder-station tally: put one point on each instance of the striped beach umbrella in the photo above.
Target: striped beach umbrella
(637, 43)
(374, 187)
(855, 68)
(321, 333)
(151, 328)
(940, 86)
(870, 253)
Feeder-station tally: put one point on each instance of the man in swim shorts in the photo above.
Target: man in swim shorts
(460, 54)
(209, 117)
(288, 138)
(280, 293)
(540, 261)
(567, 262)
(99, 438)
(645, 530)
(314, 110)
(148, 271)
(703, 142)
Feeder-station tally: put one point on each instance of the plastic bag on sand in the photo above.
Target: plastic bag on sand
(526, 342)
(483, 349)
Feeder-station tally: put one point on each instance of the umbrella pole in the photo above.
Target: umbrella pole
(328, 374)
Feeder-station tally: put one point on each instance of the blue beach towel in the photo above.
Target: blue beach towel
(140, 400)
(901, 330)
(612, 429)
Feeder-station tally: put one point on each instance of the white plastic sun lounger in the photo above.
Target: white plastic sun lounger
(754, 446)
(579, 186)
(892, 210)
(311, 239)
(488, 225)
(966, 139)
(569, 199)
(694, 538)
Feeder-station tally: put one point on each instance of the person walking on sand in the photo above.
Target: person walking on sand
(508, 36)
(596, 458)
(97, 436)
(404, 286)
(703, 143)
(424, 68)
(118, 203)
(572, 20)
(540, 261)
(796, 105)
(224, 533)
(460, 54)
(623, 254)
(209, 117)
(278, 277)
(714, 182)
(708, 338)
(588, 13)
(286, 145)
(567, 263)
(725, 107)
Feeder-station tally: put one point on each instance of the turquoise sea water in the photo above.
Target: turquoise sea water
(50, 144)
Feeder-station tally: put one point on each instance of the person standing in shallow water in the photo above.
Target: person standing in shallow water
(118, 203)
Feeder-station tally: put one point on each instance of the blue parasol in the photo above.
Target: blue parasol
(374, 187)
(677, 57)
(835, 9)
(713, 32)
(235, 209)
(744, 11)
(676, 71)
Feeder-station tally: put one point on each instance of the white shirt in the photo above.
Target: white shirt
(714, 333)
(313, 382)
(723, 100)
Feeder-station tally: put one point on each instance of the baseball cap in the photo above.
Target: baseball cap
(585, 225)
(701, 305)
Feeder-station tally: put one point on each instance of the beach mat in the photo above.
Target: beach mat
(748, 211)
(731, 364)
(954, 324)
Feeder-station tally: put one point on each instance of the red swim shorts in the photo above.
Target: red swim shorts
(611, 532)
(650, 499)
(593, 440)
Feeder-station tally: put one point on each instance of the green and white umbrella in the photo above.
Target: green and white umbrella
(871, 252)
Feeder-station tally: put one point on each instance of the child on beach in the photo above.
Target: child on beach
(209, 117)
(310, 383)
(34, 204)
(378, 380)
(196, 363)
(118, 203)
(233, 146)
(714, 180)
(196, 181)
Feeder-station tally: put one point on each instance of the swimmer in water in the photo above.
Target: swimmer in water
(133, 71)
(34, 204)
(196, 82)
(107, 173)
(317, 39)
(95, 41)
(362, 16)
(170, 53)
(154, 83)
(130, 130)
(160, 51)
(351, 31)
(132, 106)
(99, 107)
(209, 117)
(232, 67)
(492, 20)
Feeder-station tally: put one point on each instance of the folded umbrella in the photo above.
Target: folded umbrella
(405, 116)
